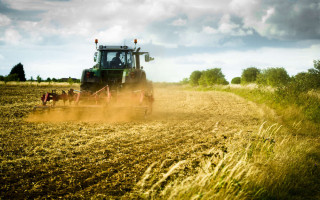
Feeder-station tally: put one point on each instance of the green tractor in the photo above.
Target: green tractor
(116, 80)
(118, 67)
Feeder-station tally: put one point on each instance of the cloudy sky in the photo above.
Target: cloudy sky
(55, 38)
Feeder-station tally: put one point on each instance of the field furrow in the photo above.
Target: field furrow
(114, 158)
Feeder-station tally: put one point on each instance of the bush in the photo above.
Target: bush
(236, 80)
(249, 75)
(295, 92)
(11, 77)
(273, 77)
(194, 78)
(302, 82)
(306, 81)
(211, 77)
(184, 81)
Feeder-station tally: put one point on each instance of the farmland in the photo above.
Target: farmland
(194, 145)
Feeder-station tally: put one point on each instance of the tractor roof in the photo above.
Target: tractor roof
(116, 48)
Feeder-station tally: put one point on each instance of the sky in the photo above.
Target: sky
(55, 38)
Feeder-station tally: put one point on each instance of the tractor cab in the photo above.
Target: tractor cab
(114, 57)
(115, 66)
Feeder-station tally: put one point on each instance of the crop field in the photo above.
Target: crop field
(195, 145)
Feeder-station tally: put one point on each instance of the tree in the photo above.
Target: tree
(302, 82)
(249, 75)
(1, 78)
(316, 65)
(39, 79)
(184, 81)
(273, 76)
(212, 76)
(315, 74)
(236, 80)
(18, 69)
(48, 79)
(308, 80)
(194, 78)
(70, 80)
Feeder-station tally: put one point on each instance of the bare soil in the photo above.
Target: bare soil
(106, 158)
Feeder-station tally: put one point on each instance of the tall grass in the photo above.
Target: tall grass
(279, 161)
(267, 164)
(290, 105)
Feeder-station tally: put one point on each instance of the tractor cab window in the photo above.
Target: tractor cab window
(116, 60)
(130, 61)
(97, 58)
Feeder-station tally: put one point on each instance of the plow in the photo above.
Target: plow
(116, 82)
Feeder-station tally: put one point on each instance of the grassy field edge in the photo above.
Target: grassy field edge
(279, 161)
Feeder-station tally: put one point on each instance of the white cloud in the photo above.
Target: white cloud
(249, 9)
(4, 20)
(197, 9)
(269, 13)
(179, 22)
(209, 30)
(227, 27)
(30, 4)
(114, 35)
(11, 36)
(86, 18)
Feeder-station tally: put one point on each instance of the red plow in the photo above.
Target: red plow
(105, 99)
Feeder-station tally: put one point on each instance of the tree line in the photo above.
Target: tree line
(206, 78)
(299, 90)
(273, 76)
(17, 74)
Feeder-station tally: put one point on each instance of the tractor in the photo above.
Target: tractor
(116, 79)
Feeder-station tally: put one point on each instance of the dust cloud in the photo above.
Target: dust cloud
(88, 114)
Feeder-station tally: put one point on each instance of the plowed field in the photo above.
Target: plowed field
(115, 158)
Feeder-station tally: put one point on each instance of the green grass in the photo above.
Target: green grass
(291, 109)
